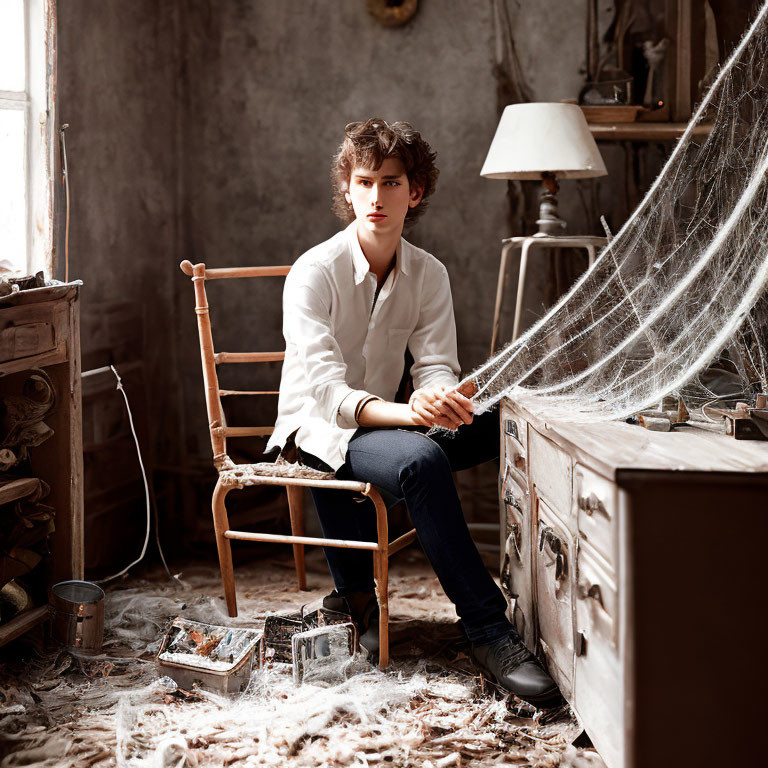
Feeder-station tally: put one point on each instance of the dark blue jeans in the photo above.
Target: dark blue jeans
(411, 466)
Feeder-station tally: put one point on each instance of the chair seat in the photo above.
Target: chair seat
(282, 472)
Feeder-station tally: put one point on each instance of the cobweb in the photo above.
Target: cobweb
(676, 303)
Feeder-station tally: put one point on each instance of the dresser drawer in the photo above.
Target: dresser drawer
(550, 470)
(598, 687)
(554, 577)
(515, 579)
(30, 329)
(596, 506)
(597, 603)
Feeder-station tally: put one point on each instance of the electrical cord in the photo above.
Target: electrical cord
(146, 494)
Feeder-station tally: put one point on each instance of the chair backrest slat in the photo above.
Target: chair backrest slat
(233, 392)
(248, 431)
(249, 357)
(224, 272)
(216, 423)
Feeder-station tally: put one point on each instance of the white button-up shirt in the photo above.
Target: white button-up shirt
(344, 344)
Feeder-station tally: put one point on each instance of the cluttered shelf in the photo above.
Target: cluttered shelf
(40, 449)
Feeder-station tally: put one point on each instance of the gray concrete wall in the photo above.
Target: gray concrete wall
(117, 83)
(269, 87)
(204, 130)
(117, 89)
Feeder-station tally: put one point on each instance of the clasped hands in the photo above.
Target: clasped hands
(441, 406)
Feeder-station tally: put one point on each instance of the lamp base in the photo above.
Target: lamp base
(549, 222)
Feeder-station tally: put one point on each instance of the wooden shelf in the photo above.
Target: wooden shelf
(22, 623)
(644, 131)
(40, 327)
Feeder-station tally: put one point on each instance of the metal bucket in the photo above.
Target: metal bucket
(77, 615)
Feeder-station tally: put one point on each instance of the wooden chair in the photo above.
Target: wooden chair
(294, 477)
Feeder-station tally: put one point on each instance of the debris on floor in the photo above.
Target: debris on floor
(325, 654)
(214, 657)
(429, 708)
(279, 629)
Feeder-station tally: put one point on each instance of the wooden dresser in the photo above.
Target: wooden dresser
(634, 563)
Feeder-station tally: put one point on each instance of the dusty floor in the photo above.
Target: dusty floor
(429, 709)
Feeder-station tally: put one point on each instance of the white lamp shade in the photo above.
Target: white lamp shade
(533, 139)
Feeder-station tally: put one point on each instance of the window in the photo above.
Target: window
(26, 136)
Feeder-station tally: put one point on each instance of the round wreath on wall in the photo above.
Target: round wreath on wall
(393, 13)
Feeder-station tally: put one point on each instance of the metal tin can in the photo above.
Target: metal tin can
(77, 615)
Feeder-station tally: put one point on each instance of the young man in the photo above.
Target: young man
(351, 307)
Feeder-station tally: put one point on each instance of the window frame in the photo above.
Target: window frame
(37, 102)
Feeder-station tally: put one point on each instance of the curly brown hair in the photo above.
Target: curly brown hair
(368, 145)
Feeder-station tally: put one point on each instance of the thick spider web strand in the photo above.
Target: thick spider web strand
(684, 279)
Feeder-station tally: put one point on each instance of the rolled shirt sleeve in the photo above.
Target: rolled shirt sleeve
(350, 407)
(433, 341)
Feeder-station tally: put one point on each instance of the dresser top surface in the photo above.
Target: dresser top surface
(616, 445)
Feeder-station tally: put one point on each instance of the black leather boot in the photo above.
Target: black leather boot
(512, 666)
(366, 620)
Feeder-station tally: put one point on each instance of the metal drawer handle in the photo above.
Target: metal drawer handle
(512, 501)
(593, 592)
(591, 504)
(515, 536)
(510, 428)
(511, 471)
(505, 577)
(548, 536)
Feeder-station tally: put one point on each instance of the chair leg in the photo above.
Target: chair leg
(220, 525)
(296, 509)
(381, 576)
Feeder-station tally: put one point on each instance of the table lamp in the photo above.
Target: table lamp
(548, 142)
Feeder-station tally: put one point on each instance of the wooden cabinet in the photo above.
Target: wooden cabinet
(631, 564)
(39, 329)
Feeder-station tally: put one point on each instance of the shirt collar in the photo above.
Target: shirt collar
(360, 264)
